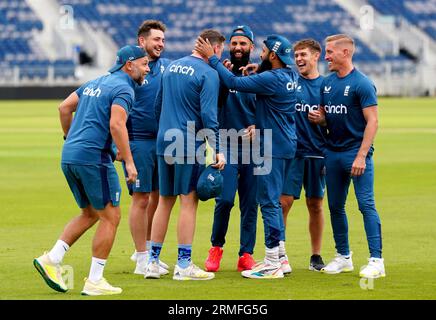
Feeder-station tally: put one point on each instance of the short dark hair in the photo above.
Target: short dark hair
(147, 25)
(312, 44)
(215, 37)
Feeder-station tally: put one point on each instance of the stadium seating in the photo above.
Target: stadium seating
(302, 18)
(18, 48)
(185, 18)
(421, 13)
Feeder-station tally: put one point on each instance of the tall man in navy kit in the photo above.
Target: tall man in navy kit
(188, 96)
(142, 127)
(348, 109)
(237, 112)
(275, 107)
(100, 109)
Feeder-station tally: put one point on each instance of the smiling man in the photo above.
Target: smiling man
(142, 126)
(349, 112)
(307, 169)
(237, 112)
(100, 108)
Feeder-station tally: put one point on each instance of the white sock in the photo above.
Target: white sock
(148, 245)
(97, 268)
(272, 255)
(57, 253)
(141, 256)
(282, 249)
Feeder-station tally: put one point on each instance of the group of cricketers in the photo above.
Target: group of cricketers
(313, 131)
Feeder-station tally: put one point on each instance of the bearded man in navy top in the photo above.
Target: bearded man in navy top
(349, 113)
(238, 113)
(275, 108)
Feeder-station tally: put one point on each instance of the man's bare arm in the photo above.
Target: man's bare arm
(66, 110)
(371, 117)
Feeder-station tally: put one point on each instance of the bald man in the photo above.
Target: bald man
(348, 110)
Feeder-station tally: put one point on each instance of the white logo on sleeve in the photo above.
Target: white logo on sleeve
(346, 91)
(162, 69)
(138, 183)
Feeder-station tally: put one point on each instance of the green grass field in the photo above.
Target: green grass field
(36, 203)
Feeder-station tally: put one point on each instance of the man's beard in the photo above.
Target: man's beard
(239, 62)
(138, 78)
(139, 81)
(264, 66)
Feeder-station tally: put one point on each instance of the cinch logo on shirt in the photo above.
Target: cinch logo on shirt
(292, 85)
(177, 68)
(91, 92)
(305, 107)
(339, 109)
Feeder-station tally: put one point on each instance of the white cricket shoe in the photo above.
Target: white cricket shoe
(192, 272)
(142, 266)
(100, 288)
(374, 269)
(286, 267)
(264, 270)
(152, 270)
(339, 264)
(50, 272)
(134, 258)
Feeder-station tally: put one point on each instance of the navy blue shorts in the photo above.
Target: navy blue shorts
(307, 172)
(94, 185)
(179, 177)
(144, 156)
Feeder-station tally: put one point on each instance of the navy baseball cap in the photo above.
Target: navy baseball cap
(127, 53)
(210, 184)
(243, 30)
(281, 46)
